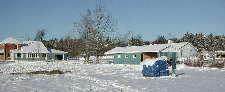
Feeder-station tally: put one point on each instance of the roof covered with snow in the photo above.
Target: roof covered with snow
(10, 40)
(140, 49)
(33, 47)
(56, 51)
(173, 47)
(36, 47)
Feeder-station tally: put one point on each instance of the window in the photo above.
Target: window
(19, 55)
(126, 56)
(134, 56)
(29, 55)
(32, 55)
(35, 55)
(181, 53)
(43, 55)
(8, 54)
(119, 56)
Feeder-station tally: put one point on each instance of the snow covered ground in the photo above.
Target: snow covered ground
(105, 78)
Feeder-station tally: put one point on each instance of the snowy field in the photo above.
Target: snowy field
(105, 78)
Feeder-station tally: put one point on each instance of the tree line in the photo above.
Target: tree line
(96, 35)
(207, 42)
(203, 42)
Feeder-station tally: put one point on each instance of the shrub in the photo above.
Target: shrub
(43, 72)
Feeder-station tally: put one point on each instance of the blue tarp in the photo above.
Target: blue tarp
(159, 68)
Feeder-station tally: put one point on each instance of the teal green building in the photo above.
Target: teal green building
(137, 58)
(137, 54)
(127, 58)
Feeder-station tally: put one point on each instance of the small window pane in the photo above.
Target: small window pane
(18, 55)
(126, 56)
(134, 56)
(43, 55)
(119, 56)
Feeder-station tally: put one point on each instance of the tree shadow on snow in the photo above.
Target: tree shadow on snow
(178, 74)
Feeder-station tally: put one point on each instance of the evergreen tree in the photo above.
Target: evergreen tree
(160, 40)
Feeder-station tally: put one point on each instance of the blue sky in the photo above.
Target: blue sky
(150, 18)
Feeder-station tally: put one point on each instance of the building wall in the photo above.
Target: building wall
(2, 55)
(127, 58)
(187, 51)
(52, 56)
(6, 48)
(169, 55)
(25, 56)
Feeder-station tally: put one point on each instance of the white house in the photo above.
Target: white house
(35, 50)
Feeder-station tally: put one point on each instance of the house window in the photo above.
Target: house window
(35, 55)
(32, 55)
(8, 54)
(134, 56)
(19, 55)
(119, 56)
(29, 55)
(126, 56)
(181, 53)
(43, 55)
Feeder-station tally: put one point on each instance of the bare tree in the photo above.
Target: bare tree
(94, 28)
(40, 35)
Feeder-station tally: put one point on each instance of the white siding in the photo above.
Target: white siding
(187, 51)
